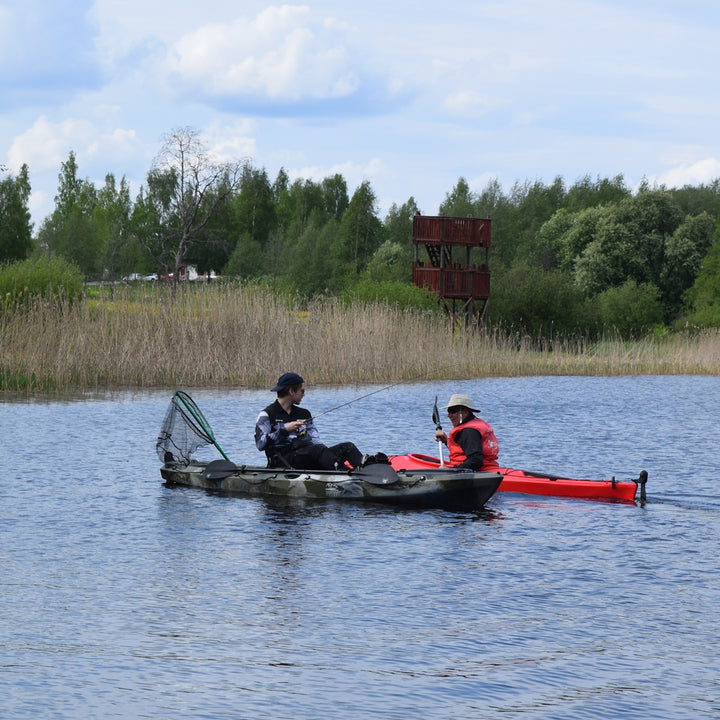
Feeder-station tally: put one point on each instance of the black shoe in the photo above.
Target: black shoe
(367, 460)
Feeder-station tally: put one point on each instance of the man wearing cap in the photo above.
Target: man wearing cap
(471, 442)
(289, 437)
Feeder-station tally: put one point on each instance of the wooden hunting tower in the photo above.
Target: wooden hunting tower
(451, 259)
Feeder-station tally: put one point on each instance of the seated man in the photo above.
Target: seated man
(472, 443)
(288, 435)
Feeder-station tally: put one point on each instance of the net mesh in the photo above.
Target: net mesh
(184, 430)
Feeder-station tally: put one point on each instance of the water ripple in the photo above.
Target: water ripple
(124, 598)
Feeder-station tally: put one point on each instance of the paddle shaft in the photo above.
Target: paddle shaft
(438, 426)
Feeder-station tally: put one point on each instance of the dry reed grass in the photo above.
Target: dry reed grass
(233, 336)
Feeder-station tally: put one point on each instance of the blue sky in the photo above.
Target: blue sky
(407, 95)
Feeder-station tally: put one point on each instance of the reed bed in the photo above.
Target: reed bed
(236, 336)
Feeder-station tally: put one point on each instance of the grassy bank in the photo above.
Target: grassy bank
(220, 336)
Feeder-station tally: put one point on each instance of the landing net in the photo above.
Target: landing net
(184, 431)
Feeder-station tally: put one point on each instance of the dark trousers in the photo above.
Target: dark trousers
(322, 457)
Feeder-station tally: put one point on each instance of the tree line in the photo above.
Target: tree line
(586, 258)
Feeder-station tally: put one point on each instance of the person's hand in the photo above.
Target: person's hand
(295, 425)
(441, 436)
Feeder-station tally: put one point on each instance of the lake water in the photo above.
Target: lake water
(122, 598)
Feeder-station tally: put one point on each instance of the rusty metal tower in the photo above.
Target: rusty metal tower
(451, 256)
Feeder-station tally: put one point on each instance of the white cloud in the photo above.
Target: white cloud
(46, 145)
(99, 150)
(282, 54)
(353, 173)
(700, 172)
(231, 142)
(469, 103)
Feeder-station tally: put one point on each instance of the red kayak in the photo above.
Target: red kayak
(535, 483)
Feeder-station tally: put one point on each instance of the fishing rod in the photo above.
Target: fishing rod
(362, 397)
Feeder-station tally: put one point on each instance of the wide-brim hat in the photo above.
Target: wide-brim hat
(462, 401)
(288, 380)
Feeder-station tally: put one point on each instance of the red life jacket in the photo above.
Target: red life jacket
(489, 444)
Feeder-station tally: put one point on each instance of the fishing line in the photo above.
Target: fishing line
(362, 397)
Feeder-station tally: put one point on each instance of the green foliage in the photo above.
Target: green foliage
(359, 235)
(459, 202)
(703, 298)
(644, 238)
(335, 197)
(684, 253)
(247, 259)
(586, 193)
(399, 224)
(121, 253)
(390, 262)
(308, 264)
(70, 231)
(392, 292)
(47, 276)
(540, 303)
(630, 309)
(694, 200)
(15, 225)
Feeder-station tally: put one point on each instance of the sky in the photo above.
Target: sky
(408, 95)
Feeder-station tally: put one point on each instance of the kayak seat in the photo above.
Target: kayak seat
(277, 460)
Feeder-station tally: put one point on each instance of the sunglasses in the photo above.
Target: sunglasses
(454, 410)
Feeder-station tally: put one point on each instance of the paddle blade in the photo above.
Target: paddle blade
(377, 474)
(436, 416)
(219, 469)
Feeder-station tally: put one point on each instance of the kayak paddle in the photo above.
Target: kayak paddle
(438, 426)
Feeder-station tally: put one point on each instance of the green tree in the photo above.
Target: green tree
(533, 204)
(70, 231)
(631, 309)
(393, 259)
(702, 300)
(460, 201)
(302, 201)
(150, 214)
(335, 196)
(389, 262)
(586, 193)
(240, 229)
(121, 254)
(550, 240)
(684, 253)
(360, 234)
(309, 263)
(399, 223)
(247, 259)
(644, 238)
(15, 225)
(694, 200)
(540, 303)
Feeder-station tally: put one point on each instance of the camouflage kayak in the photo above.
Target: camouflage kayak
(379, 483)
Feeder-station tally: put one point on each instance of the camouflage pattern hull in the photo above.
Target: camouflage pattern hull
(380, 484)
